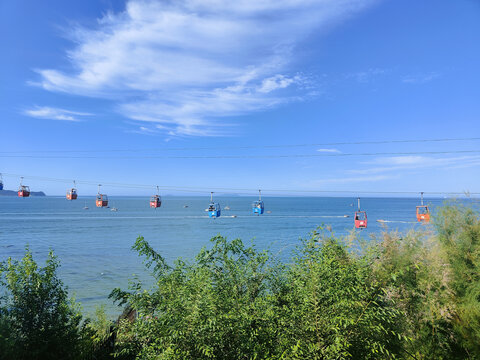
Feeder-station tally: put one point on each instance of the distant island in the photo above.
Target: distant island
(14, 193)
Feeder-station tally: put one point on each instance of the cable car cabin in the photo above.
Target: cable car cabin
(1, 185)
(360, 219)
(72, 194)
(258, 207)
(102, 200)
(155, 201)
(423, 213)
(214, 210)
(23, 191)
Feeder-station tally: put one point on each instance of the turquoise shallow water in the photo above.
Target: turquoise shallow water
(94, 245)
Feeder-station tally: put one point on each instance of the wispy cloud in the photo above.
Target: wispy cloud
(420, 78)
(405, 163)
(185, 64)
(366, 76)
(51, 113)
(329, 151)
(354, 179)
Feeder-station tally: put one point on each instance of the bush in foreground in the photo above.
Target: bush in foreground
(37, 319)
(234, 302)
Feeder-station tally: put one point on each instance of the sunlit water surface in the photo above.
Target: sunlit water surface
(94, 245)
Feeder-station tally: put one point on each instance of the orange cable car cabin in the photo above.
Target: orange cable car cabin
(156, 201)
(23, 191)
(102, 199)
(72, 193)
(423, 212)
(360, 218)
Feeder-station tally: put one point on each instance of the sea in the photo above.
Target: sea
(94, 244)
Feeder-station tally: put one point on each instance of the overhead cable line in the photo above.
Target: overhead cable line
(226, 189)
(245, 156)
(373, 142)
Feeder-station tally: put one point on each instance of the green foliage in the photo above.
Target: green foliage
(335, 308)
(37, 319)
(217, 307)
(234, 302)
(415, 275)
(459, 235)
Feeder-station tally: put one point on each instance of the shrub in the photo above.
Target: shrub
(334, 308)
(234, 302)
(37, 319)
(458, 230)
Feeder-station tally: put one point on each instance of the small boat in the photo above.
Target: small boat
(85, 207)
(185, 206)
(226, 208)
(113, 209)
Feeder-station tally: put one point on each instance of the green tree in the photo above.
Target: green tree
(37, 318)
(217, 307)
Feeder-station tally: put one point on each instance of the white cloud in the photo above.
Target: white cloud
(356, 179)
(366, 75)
(277, 82)
(50, 113)
(401, 160)
(405, 163)
(420, 78)
(184, 64)
(329, 151)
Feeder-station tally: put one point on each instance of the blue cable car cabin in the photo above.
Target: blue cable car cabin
(258, 207)
(1, 182)
(214, 210)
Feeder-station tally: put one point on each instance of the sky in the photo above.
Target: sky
(210, 95)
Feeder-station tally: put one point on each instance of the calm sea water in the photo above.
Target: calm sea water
(94, 245)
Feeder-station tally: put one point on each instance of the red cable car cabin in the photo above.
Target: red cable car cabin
(72, 194)
(102, 200)
(423, 214)
(155, 201)
(360, 219)
(23, 191)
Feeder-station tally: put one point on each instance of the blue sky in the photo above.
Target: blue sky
(94, 77)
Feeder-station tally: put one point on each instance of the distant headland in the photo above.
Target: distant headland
(14, 193)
